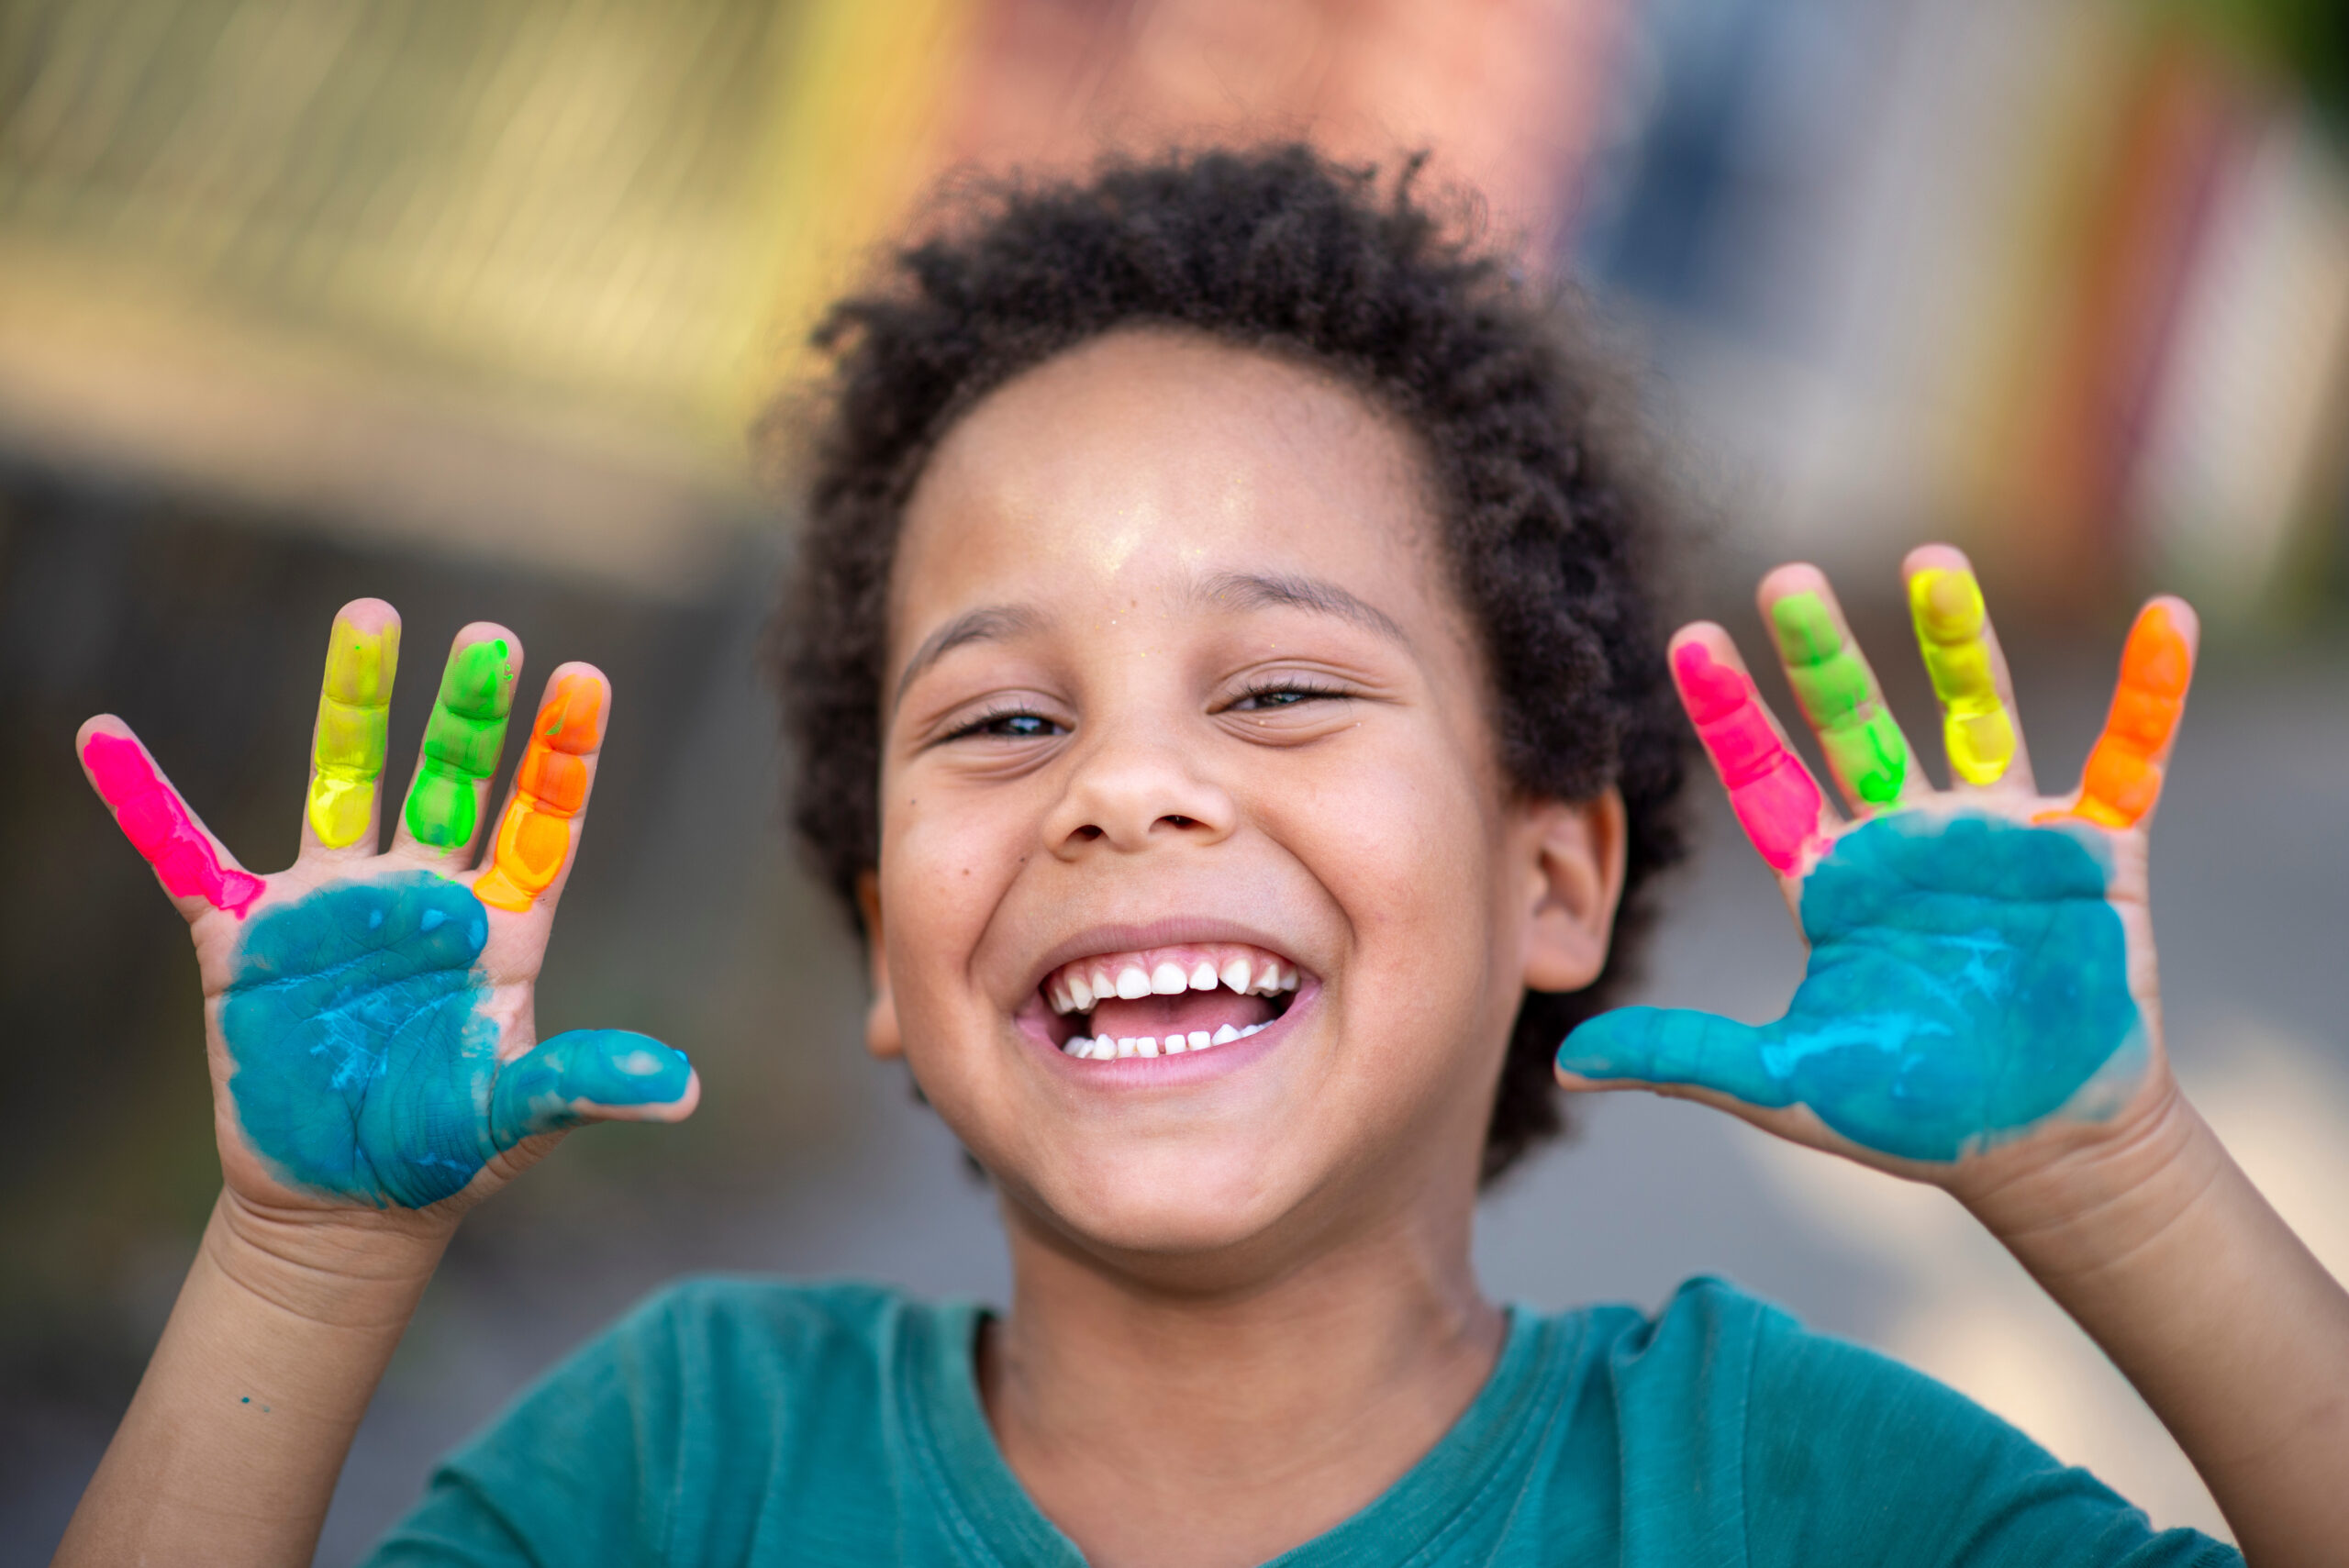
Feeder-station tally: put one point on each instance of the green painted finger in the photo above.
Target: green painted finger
(1976, 730)
(354, 713)
(1838, 697)
(461, 742)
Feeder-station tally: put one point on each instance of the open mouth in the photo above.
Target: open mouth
(1165, 1001)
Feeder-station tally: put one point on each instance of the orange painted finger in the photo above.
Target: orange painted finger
(536, 835)
(2123, 776)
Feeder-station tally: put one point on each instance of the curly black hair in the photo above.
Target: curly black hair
(1549, 526)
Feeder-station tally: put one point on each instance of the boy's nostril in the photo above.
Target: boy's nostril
(1176, 821)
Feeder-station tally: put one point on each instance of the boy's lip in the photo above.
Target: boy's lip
(1035, 1022)
(1192, 1067)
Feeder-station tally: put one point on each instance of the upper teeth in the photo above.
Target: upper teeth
(1075, 988)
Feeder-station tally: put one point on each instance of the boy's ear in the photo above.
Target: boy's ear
(1573, 853)
(880, 1034)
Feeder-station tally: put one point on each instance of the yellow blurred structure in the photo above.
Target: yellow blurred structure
(515, 278)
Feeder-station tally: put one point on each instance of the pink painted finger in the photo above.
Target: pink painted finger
(1775, 798)
(188, 860)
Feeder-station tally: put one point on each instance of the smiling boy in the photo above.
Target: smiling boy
(1225, 689)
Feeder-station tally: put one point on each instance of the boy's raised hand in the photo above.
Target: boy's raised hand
(1981, 993)
(369, 1017)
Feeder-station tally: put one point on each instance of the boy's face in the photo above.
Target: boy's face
(1180, 703)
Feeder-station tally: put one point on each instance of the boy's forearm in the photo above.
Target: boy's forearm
(232, 1446)
(2205, 1299)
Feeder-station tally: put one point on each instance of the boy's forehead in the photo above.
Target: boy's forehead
(1150, 462)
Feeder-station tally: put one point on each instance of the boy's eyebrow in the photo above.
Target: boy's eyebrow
(1252, 590)
(1246, 590)
(984, 624)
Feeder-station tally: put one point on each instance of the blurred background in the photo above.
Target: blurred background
(470, 306)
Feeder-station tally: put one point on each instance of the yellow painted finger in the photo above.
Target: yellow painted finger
(534, 838)
(1976, 730)
(354, 713)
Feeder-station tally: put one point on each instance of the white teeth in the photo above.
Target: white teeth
(1080, 994)
(1235, 974)
(1288, 978)
(1268, 978)
(1103, 986)
(1168, 980)
(1101, 1048)
(1203, 976)
(1132, 983)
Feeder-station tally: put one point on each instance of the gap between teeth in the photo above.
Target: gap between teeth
(1104, 1049)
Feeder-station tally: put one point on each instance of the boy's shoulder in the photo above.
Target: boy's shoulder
(719, 1417)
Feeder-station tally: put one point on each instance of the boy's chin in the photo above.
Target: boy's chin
(1168, 1212)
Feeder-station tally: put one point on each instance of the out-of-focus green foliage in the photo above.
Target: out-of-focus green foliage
(2307, 39)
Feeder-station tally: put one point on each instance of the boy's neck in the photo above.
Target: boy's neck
(1228, 1419)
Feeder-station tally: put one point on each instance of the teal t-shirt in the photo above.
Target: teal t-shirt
(755, 1422)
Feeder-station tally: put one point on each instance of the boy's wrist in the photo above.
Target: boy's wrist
(2091, 1208)
(363, 1270)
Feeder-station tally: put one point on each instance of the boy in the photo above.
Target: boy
(1224, 688)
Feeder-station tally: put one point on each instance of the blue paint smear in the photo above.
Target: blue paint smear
(364, 1065)
(1967, 978)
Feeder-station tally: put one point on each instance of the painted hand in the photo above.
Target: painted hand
(1981, 963)
(369, 1017)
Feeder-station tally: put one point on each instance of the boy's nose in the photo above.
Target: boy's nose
(1131, 791)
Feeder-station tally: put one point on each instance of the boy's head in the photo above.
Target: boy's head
(1213, 563)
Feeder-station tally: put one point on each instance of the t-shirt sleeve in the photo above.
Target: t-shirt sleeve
(1852, 1457)
(576, 1472)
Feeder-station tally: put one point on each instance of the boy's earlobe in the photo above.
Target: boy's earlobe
(1578, 879)
(882, 1036)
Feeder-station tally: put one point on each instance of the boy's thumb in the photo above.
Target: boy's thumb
(583, 1076)
(1673, 1045)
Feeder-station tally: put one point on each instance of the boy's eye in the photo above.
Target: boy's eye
(1009, 727)
(1265, 699)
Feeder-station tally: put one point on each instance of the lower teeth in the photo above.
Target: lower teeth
(1104, 1049)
